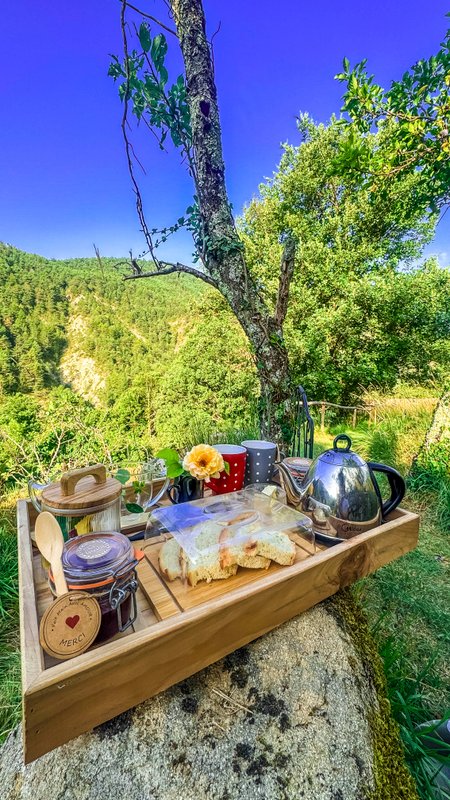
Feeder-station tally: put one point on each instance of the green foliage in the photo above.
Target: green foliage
(430, 473)
(33, 309)
(143, 81)
(408, 700)
(10, 690)
(211, 375)
(360, 314)
(174, 465)
(138, 340)
(122, 475)
(412, 117)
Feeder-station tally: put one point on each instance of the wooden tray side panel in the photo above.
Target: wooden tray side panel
(32, 660)
(81, 696)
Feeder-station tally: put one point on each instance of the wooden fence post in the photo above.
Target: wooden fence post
(354, 418)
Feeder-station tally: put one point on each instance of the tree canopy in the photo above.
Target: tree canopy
(413, 120)
(358, 301)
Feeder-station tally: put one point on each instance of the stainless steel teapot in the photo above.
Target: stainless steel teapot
(340, 492)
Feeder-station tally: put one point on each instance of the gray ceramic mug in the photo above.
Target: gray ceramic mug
(261, 457)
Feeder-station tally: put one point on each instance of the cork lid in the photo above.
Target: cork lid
(88, 487)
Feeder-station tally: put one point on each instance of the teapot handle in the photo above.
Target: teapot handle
(396, 484)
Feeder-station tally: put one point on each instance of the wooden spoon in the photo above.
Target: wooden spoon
(50, 542)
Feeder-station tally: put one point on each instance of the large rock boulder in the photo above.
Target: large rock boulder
(296, 714)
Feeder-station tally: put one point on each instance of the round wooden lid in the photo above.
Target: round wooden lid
(82, 488)
(70, 625)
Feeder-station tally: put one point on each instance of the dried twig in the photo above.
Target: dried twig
(232, 701)
(216, 725)
(211, 44)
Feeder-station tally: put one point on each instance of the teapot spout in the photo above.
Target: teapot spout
(292, 486)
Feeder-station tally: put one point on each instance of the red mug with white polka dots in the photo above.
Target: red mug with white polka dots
(236, 456)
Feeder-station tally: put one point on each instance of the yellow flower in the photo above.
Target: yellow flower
(203, 462)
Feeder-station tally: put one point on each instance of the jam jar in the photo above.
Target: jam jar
(103, 564)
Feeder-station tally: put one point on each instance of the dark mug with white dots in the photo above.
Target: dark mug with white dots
(261, 457)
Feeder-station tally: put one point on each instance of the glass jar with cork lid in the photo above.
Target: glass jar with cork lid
(83, 501)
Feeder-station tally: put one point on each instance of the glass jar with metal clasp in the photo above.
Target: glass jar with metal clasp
(104, 565)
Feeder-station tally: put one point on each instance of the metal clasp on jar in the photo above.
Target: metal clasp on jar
(120, 590)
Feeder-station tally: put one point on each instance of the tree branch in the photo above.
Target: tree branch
(170, 268)
(128, 147)
(153, 19)
(286, 273)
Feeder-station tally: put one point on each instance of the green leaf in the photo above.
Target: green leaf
(226, 467)
(158, 51)
(346, 64)
(133, 508)
(122, 475)
(168, 455)
(144, 37)
(174, 469)
(164, 75)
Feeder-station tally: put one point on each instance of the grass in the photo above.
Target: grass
(408, 604)
(10, 691)
(408, 601)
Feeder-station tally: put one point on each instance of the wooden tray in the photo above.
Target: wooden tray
(205, 623)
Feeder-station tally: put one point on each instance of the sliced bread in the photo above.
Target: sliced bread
(207, 566)
(170, 559)
(275, 545)
(252, 562)
(238, 548)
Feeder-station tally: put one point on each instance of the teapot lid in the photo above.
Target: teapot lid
(339, 456)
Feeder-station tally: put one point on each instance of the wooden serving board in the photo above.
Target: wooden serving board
(179, 630)
(183, 597)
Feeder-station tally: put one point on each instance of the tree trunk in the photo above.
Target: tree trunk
(219, 244)
(276, 389)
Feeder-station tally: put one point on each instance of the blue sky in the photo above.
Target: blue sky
(63, 177)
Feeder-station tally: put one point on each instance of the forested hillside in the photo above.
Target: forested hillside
(96, 368)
